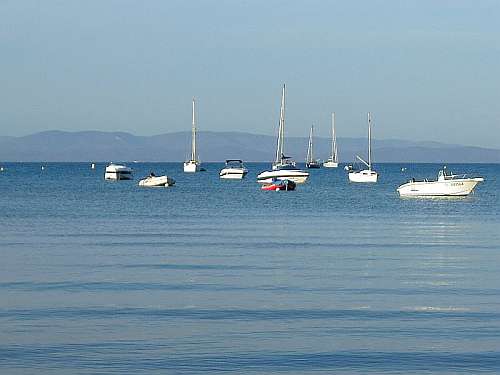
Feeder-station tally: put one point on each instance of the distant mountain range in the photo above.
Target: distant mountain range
(218, 146)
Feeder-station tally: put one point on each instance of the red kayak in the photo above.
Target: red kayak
(280, 185)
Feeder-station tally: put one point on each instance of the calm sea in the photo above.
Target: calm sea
(214, 276)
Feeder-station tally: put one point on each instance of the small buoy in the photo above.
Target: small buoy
(43, 167)
(92, 166)
(1, 169)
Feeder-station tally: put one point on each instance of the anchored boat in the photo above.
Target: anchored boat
(333, 160)
(234, 170)
(310, 161)
(118, 172)
(193, 165)
(157, 181)
(365, 175)
(283, 166)
(447, 184)
(278, 185)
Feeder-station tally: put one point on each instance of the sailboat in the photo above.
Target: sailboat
(333, 160)
(283, 166)
(193, 165)
(365, 175)
(310, 161)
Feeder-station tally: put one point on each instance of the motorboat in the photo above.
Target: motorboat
(157, 181)
(283, 167)
(333, 160)
(234, 170)
(280, 184)
(296, 175)
(118, 172)
(447, 184)
(310, 161)
(193, 164)
(368, 174)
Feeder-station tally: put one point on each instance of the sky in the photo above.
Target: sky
(428, 70)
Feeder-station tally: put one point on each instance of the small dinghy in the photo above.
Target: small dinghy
(157, 181)
(277, 185)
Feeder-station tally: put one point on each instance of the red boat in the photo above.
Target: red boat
(280, 185)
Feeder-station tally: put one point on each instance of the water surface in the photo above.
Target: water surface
(214, 276)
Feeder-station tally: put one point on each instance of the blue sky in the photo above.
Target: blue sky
(427, 70)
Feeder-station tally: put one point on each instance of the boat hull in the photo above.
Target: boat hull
(330, 164)
(191, 167)
(455, 188)
(363, 176)
(157, 181)
(233, 173)
(296, 175)
(313, 165)
(282, 185)
(117, 172)
(117, 176)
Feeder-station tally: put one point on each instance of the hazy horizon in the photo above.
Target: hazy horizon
(426, 70)
(326, 136)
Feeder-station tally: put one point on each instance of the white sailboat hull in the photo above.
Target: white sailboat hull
(191, 166)
(330, 164)
(154, 181)
(296, 175)
(454, 187)
(366, 175)
(233, 173)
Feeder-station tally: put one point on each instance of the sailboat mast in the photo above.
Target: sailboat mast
(282, 115)
(193, 135)
(281, 131)
(310, 147)
(334, 141)
(369, 141)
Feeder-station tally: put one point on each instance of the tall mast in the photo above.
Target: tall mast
(281, 131)
(369, 141)
(193, 135)
(310, 153)
(312, 147)
(334, 140)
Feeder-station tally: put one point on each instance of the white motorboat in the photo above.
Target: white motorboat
(296, 175)
(118, 172)
(365, 175)
(157, 181)
(310, 161)
(193, 165)
(234, 170)
(283, 166)
(333, 160)
(447, 184)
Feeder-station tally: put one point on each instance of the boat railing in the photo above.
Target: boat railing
(456, 176)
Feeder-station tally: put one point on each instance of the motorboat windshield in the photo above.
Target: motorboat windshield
(234, 163)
